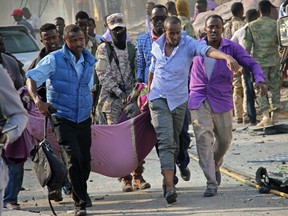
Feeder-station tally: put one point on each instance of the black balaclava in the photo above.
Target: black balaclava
(119, 39)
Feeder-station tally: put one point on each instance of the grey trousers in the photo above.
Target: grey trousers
(168, 125)
(213, 132)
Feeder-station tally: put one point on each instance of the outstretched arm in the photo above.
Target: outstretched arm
(232, 64)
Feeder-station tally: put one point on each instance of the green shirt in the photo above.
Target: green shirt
(262, 42)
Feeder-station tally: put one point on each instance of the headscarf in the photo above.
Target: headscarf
(182, 8)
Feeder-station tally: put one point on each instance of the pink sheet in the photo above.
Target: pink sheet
(116, 149)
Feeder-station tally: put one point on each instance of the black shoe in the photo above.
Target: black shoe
(175, 180)
(218, 177)
(80, 211)
(185, 174)
(171, 196)
(210, 192)
(55, 195)
(67, 188)
(88, 201)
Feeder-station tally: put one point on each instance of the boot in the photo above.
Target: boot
(274, 117)
(138, 181)
(266, 120)
(127, 183)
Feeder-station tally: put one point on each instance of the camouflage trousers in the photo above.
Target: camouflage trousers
(239, 96)
(274, 81)
(112, 117)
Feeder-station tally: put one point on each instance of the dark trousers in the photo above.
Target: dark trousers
(250, 94)
(183, 158)
(75, 142)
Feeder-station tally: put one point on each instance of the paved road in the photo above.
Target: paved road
(233, 198)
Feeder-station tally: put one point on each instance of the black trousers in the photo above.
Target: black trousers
(183, 158)
(250, 94)
(75, 142)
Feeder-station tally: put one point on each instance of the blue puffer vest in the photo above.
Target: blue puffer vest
(69, 94)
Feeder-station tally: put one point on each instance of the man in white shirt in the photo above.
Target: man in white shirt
(32, 19)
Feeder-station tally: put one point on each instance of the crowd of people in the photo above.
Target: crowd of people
(201, 82)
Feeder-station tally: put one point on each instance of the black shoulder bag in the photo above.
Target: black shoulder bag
(50, 171)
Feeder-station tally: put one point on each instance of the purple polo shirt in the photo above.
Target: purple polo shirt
(218, 90)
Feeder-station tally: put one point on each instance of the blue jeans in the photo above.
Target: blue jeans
(16, 173)
(250, 94)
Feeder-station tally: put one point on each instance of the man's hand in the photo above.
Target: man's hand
(232, 64)
(262, 88)
(123, 97)
(43, 107)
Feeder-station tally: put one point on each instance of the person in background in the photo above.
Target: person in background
(91, 31)
(144, 42)
(248, 89)
(69, 74)
(16, 170)
(210, 100)
(60, 25)
(236, 22)
(34, 21)
(12, 113)
(202, 6)
(261, 41)
(170, 5)
(183, 11)
(117, 80)
(18, 17)
(148, 24)
(81, 19)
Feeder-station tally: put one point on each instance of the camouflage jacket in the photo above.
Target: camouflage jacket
(262, 42)
(186, 25)
(113, 80)
(232, 26)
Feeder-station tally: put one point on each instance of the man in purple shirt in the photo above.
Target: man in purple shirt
(167, 88)
(211, 102)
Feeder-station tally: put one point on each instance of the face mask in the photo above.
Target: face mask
(119, 39)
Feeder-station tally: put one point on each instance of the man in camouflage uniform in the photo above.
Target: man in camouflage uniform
(116, 72)
(261, 37)
(230, 28)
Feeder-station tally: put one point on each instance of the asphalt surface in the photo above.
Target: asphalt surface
(233, 198)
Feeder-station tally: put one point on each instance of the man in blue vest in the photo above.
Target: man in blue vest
(68, 75)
